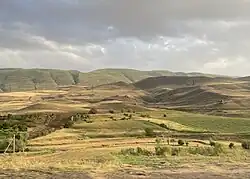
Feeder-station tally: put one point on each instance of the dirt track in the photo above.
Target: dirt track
(124, 174)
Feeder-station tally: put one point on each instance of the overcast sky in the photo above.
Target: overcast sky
(211, 36)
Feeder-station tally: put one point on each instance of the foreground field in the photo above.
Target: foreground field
(121, 138)
(93, 150)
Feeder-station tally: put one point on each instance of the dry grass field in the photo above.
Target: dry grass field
(101, 146)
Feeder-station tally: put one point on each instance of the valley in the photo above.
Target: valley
(144, 125)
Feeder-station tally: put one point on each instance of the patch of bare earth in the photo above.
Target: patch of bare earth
(36, 174)
(179, 174)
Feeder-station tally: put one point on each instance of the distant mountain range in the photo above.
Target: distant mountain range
(32, 79)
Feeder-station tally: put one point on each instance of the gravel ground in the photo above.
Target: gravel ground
(124, 174)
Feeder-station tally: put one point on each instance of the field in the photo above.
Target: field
(123, 139)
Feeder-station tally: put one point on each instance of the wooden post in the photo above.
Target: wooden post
(14, 143)
(8, 146)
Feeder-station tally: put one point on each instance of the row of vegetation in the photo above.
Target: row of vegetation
(183, 148)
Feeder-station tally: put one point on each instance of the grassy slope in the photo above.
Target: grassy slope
(30, 79)
(206, 122)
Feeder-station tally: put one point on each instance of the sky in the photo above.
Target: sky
(210, 36)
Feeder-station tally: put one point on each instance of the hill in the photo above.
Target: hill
(40, 79)
(173, 82)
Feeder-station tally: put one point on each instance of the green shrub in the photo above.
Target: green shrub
(149, 132)
(181, 142)
(245, 145)
(231, 145)
(68, 124)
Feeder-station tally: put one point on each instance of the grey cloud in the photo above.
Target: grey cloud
(193, 35)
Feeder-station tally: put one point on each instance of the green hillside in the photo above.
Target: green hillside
(31, 79)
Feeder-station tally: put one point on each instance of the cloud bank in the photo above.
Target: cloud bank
(195, 35)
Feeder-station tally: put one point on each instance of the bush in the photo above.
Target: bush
(231, 145)
(68, 124)
(161, 150)
(175, 151)
(187, 143)
(138, 151)
(245, 145)
(212, 143)
(145, 115)
(93, 111)
(172, 140)
(181, 142)
(111, 111)
(149, 132)
(123, 118)
(207, 151)
(164, 115)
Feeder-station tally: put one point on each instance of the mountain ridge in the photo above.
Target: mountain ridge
(18, 79)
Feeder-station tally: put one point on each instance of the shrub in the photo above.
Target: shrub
(145, 115)
(172, 140)
(245, 145)
(93, 111)
(187, 143)
(141, 151)
(231, 145)
(162, 150)
(212, 143)
(164, 115)
(125, 114)
(181, 142)
(137, 151)
(130, 116)
(68, 124)
(111, 111)
(149, 132)
(175, 151)
(207, 151)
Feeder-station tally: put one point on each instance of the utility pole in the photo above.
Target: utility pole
(14, 144)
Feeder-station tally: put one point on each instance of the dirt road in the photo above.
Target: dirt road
(124, 174)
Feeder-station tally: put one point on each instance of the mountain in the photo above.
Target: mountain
(31, 79)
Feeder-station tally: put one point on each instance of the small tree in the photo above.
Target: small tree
(231, 145)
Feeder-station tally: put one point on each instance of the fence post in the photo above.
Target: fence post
(14, 144)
